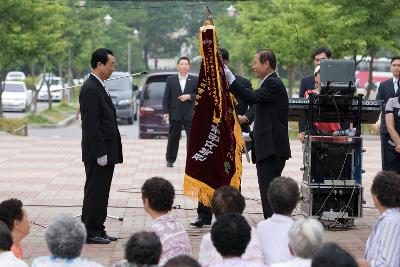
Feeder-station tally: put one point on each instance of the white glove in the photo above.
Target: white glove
(102, 161)
(246, 136)
(229, 75)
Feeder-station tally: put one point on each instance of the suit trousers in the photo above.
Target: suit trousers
(204, 212)
(384, 154)
(175, 128)
(267, 170)
(95, 199)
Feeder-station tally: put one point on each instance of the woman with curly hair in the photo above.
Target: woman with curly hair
(158, 197)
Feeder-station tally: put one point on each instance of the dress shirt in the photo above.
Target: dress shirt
(296, 262)
(51, 261)
(102, 83)
(8, 259)
(209, 255)
(273, 236)
(383, 245)
(182, 81)
(264, 79)
(395, 84)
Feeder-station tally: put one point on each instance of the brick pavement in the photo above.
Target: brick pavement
(45, 171)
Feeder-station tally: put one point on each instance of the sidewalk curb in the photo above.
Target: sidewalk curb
(69, 120)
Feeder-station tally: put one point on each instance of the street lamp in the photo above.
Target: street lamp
(135, 33)
(231, 11)
(107, 19)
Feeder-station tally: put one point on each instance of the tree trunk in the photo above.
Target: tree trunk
(145, 57)
(370, 69)
(290, 74)
(2, 78)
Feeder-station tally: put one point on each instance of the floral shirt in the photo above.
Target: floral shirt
(208, 254)
(174, 239)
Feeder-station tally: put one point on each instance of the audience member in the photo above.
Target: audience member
(283, 194)
(158, 196)
(230, 235)
(7, 258)
(65, 238)
(305, 237)
(228, 199)
(182, 261)
(331, 255)
(15, 217)
(142, 250)
(383, 245)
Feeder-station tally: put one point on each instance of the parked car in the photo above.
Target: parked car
(15, 76)
(151, 123)
(55, 84)
(16, 97)
(124, 96)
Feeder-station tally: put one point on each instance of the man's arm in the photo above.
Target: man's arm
(167, 99)
(90, 109)
(269, 92)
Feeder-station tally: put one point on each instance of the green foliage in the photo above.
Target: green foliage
(11, 125)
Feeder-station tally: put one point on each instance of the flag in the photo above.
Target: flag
(214, 154)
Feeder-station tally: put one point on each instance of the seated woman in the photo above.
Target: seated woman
(142, 250)
(7, 258)
(15, 217)
(158, 197)
(65, 238)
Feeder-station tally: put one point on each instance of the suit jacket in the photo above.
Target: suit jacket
(270, 132)
(385, 91)
(307, 83)
(100, 134)
(243, 108)
(177, 109)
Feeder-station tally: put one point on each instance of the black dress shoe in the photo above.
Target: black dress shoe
(170, 164)
(200, 222)
(97, 240)
(111, 238)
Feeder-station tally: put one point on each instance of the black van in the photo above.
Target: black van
(124, 96)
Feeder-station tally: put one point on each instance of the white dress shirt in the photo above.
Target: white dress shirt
(296, 262)
(209, 255)
(8, 259)
(182, 81)
(102, 83)
(383, 245)
(273, 236)
(395, 85)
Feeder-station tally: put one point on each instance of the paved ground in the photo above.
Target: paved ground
(48, 176)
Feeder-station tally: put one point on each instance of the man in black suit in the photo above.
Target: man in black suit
(101, 145)
(246, 115)
(178, 106)
(386, 90)
(270, 134)
(308, 82)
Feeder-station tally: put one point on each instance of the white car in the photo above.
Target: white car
(55, 84)
(15, 76)
(16, 97)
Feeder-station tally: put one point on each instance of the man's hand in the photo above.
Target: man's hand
(102, 161)
(229, 75)
(184, 97)
(246, 136)
(243, 119)
(165, 117)
(301, 137)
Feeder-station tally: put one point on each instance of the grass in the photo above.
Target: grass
(10, 125)
(53, 116)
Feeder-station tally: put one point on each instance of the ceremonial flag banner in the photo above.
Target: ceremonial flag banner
(214, 155)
